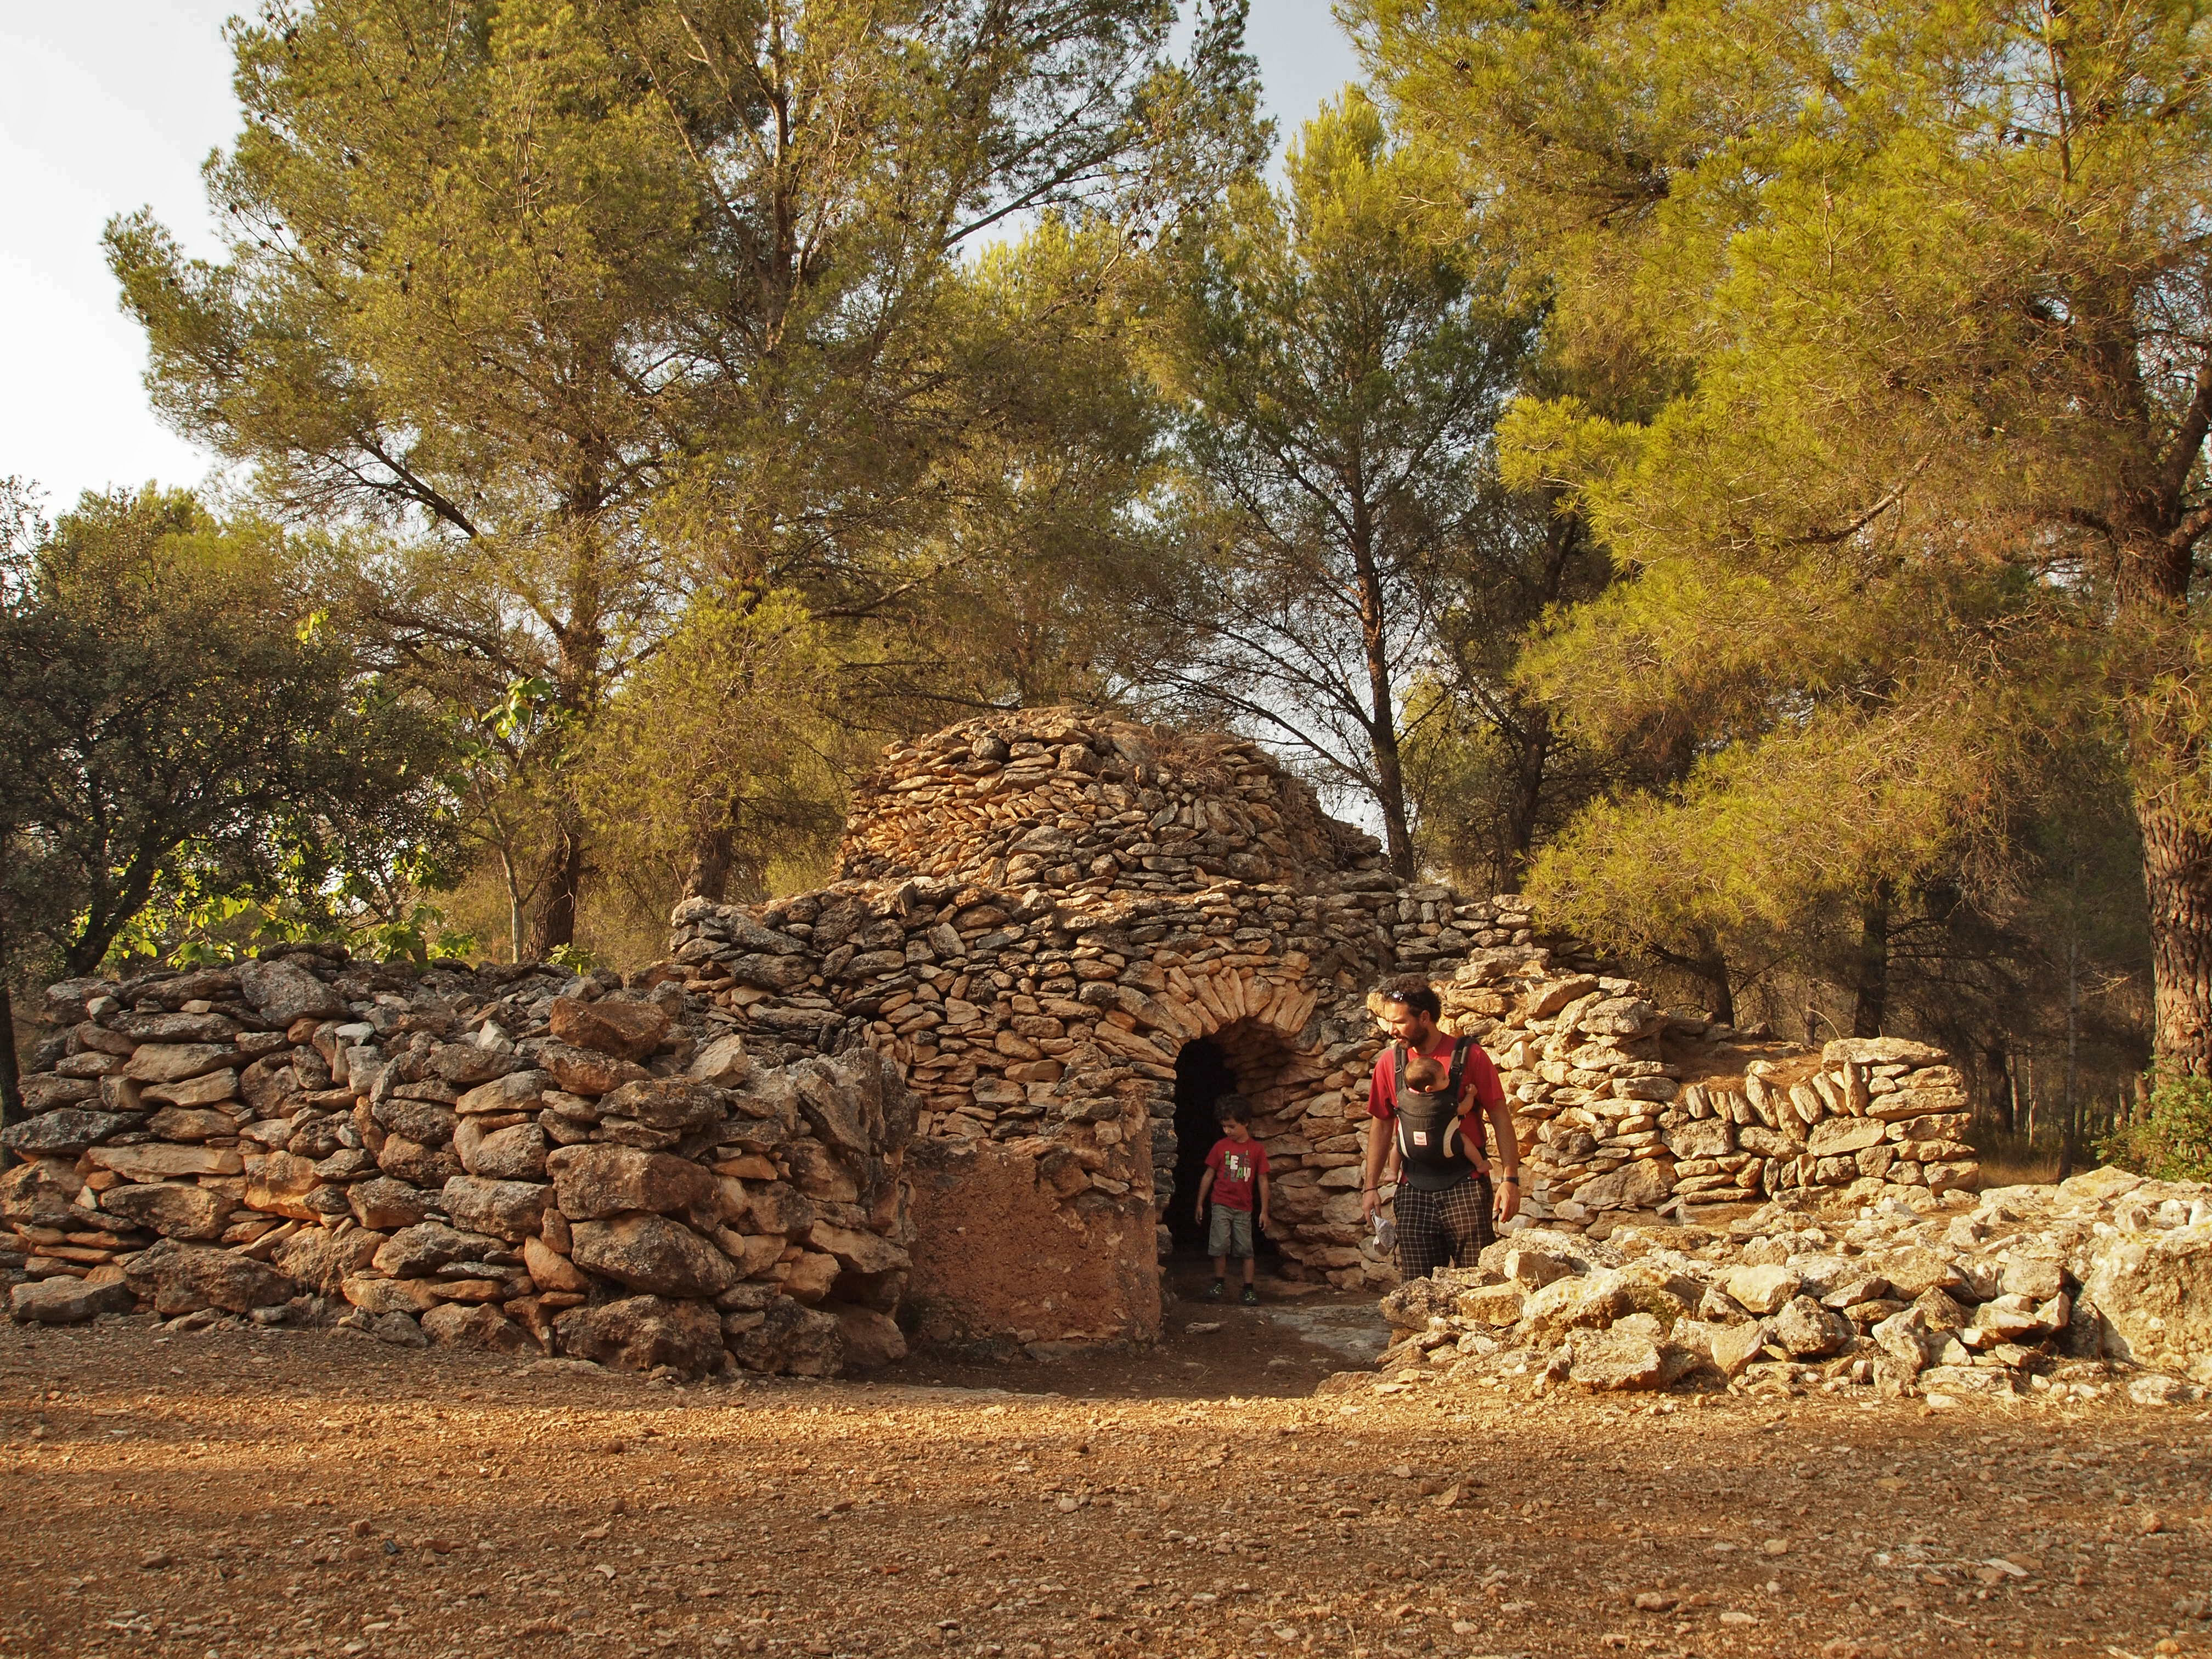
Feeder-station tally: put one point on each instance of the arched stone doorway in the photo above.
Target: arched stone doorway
(1246, 1056)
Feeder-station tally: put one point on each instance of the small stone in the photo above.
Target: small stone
(1762, 1290)
(1656, 1601)
(1775, 1547)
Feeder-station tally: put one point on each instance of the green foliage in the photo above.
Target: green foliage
(1339, 357)
(1876, 362)
(185, 759)
(2171, 1140)
(556, 314)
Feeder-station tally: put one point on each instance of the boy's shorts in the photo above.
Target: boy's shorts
(1231, 1234)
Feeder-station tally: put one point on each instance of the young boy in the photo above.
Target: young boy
(1236, 1165)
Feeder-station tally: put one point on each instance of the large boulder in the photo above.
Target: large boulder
(611, 1026)
(182, 1279)
(593, 1180)
(281, 991)
(169, 1208)
(652, 1253)
(1595, 1301)
(1642, 1185)
(2152, 1294)
(642, 1333)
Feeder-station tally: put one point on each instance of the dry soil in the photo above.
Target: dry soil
(231, 1494)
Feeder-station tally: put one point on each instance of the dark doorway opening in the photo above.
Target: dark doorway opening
(1203, 1075)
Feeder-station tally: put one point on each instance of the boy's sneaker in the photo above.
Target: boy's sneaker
(1250, 1298)
(1214, 1292)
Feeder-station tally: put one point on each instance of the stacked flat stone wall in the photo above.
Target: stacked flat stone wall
(1038, 914)
(513, 1159)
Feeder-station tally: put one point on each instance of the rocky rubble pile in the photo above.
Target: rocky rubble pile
(510, 1158)
(2045, 1288)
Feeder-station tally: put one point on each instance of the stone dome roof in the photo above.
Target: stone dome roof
(1084, 801)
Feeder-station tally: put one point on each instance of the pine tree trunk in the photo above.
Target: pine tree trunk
(11, 1076)
(712, 853)
(2177, 885)
(564, 883)
(1870, 998)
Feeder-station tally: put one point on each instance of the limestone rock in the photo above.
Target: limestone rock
(281, 991)
(514, 1153)
(188, 1123)
(803, 1341)
(549, 1270)
(515, 1092)
(170, 1209)
(1761, 1290)
(871, 1339)
(280, 1187)
(594, 1180)
(504, 1209)
(642, 1333)
(1809, 1330)
(611, 1026)
(651, 1252)
(456, 1325)
(64, 1133)
(414, 1164)
(418, 1251)
(2153, 1297)
(324, 1260)
(857, 1251)
(586, 1070)
(1615, 1360)
(40, 1193)
(384, 1205)
(182, 1279)
(62, 1300)
(670, 1102)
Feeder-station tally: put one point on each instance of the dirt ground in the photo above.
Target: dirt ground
(232, 1494)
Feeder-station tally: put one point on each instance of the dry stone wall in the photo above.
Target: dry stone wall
(1038, 916)
(513, 1159)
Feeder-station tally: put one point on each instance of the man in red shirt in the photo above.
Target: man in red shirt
(1445, 1203)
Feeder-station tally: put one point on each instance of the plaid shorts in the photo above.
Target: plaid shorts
(1448, 1228)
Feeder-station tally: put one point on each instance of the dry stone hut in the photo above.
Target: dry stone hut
(1074, 934)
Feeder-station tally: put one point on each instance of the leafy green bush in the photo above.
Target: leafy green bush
(2172, 1140)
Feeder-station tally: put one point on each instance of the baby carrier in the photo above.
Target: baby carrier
(1431, 1148)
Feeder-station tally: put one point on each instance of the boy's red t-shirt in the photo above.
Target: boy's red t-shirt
(1236, 1164)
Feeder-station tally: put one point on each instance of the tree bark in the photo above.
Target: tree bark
(563, 886)
(2178, 886)
(712, 853)
(11, 1074)
(1871, 980)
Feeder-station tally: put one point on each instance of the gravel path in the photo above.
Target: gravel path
(235, 1494)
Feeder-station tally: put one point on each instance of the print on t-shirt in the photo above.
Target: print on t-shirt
(1236, 1165)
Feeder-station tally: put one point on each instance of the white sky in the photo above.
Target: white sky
(107, 106)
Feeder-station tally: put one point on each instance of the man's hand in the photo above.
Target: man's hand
(1200, 1212)
(1369, 1198)
(1507, 1202)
